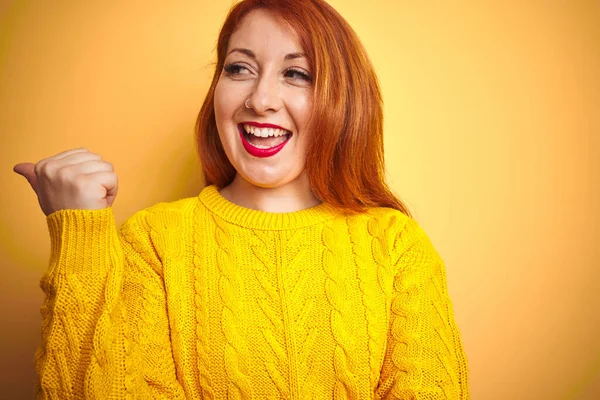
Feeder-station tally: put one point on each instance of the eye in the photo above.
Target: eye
(298, 74)
(235, 70)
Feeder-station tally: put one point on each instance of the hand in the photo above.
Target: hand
(74, 179)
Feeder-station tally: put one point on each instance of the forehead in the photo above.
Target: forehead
(265, 33)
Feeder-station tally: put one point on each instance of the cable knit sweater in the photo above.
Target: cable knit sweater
(203, 299)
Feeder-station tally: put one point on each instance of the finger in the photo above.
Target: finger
(51, 164)
(78, 158)
(27, 170)
(107, 179)
(67, 153)
(89, 167)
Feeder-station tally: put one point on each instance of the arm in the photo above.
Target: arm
(105, 331)
(424, 357)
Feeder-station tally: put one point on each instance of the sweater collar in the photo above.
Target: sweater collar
(255, 219)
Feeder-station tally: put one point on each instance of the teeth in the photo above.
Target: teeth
(264, 132)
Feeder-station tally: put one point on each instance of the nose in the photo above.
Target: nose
(265, 96)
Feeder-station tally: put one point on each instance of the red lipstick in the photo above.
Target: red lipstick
(259, 125)
(255, 151)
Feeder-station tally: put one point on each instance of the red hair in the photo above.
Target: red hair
(345, 160)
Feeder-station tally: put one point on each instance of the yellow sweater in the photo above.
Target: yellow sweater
(203, 299)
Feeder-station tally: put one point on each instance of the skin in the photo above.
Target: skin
(279, 91)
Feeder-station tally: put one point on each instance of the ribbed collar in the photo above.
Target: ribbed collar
(255, 219)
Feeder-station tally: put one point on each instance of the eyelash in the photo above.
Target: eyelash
(230, 69)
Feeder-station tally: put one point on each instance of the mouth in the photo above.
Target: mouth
(263, 140)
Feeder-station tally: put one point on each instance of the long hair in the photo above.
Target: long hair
(345, 157)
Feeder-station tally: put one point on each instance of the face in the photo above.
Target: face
(263, 100)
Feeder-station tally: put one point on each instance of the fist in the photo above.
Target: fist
(74, 179)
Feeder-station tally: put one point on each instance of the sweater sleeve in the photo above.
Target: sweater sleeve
(105, 330)
(425, 358)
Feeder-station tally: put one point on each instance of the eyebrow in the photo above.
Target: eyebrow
(250, 53)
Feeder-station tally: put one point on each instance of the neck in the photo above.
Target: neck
(293, 196)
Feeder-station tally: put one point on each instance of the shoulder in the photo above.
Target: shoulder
(162, 216)
(385, 221)
(152, 226)
(149, 231)
(391, 229)
(402, 235)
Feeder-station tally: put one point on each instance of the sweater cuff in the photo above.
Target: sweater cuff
(82, 241)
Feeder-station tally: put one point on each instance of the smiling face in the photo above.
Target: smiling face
(263, 100)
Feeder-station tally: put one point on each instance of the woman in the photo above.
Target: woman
(294, 274)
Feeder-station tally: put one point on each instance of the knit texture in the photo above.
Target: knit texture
(203, 299)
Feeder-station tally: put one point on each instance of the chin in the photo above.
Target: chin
(267, 183)
(265, 180)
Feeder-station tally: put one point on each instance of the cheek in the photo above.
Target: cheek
(300, 108)
(228, 100)
(220, 102)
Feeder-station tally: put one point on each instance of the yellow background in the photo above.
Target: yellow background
(492, 139)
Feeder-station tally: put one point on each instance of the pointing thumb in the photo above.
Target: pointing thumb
(27, 170)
